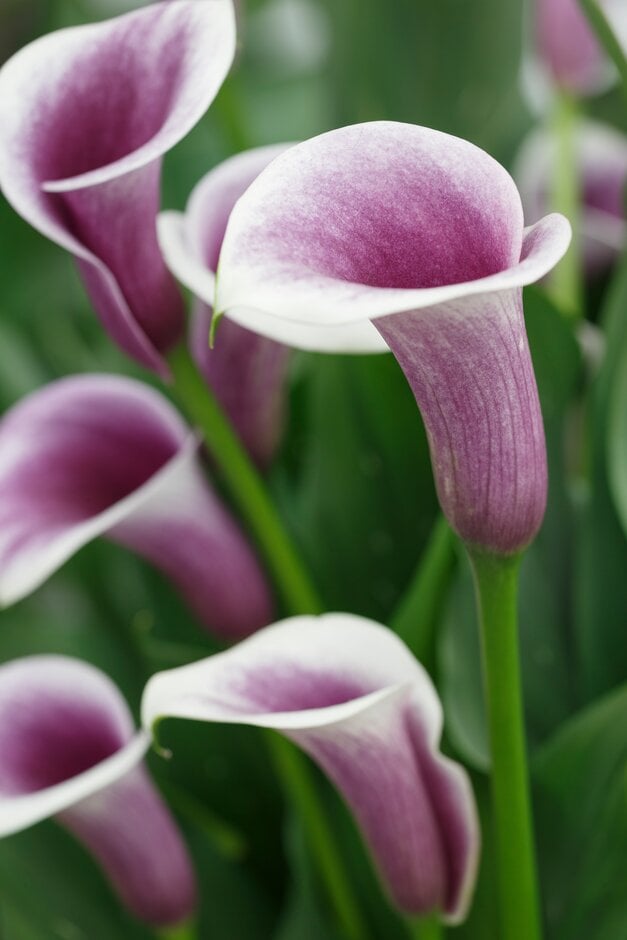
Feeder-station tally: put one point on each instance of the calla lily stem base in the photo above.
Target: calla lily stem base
(245, 485)
(496, 584)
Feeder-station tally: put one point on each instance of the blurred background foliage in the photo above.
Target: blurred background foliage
(354, 482)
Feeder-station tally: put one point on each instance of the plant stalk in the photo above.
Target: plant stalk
(496, 584)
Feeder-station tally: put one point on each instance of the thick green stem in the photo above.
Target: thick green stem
(299, 596)
(496, 583)
(245, 485)
(417, 616)
(301, 790)
(566, 279)
(186, 931)
(429, 928)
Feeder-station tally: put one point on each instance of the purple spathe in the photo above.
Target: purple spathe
(418, 236)
(102, 455)
(69, 749)
(351, 695)
(246, 371)
(87, 114)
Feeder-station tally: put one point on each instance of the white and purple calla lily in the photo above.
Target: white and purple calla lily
(349, 693)
(601, 157)
(70, 750)
(103, 455)
(393, 232)
(87, 114)
(246, 371)
(567, 50)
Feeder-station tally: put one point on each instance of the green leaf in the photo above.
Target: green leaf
(600, 607)
(580, 779)
(362, 502)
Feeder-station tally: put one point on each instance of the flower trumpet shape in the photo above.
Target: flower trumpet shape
(349, 693)
(87, 114)
(601, 155)
(69, 750)
(101, 455)
(418, 236)
(247, 372)
(567, 47)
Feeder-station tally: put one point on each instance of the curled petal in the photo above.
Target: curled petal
(69, 750)
(246, 371)
(350, 694)
(602, 169)
(420, 236)
(87, 114)
(100, 455)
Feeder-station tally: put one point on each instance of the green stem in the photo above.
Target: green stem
(186, 931)
(300, 597)
(301, 790)
(245, 485)
(496, 584)
(566, 279)
(417, 616)
(607, 38)
(429, 928)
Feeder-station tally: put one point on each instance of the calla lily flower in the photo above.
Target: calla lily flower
(69, 750)
(349, 693)
(87, 114)
(417, 236)
(246, 371)
(102, 455)
(568, 49)
(601, 155)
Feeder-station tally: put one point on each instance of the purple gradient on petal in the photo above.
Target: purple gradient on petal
(248, 374)
(384, 781)
(60, 717)
(131, 833)
(78, 449)
(111, 99)
(469, 366)
(246, 371)
(388, 205)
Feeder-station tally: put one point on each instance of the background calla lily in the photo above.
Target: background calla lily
(87, 114)
(349, 693)
(101, 455)
(418, 235)
(246, 371)
(567, 47)
(69, 750)
(601, 157)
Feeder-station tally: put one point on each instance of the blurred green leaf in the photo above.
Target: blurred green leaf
(361, 500)
(54, 891)
(580, 779)
(600, 608)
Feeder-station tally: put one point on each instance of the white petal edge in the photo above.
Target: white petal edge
(319, 313)
(18, 580)
(20, 812)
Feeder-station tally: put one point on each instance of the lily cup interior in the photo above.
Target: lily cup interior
(409, 208)
(57, 720)
(96, 443)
